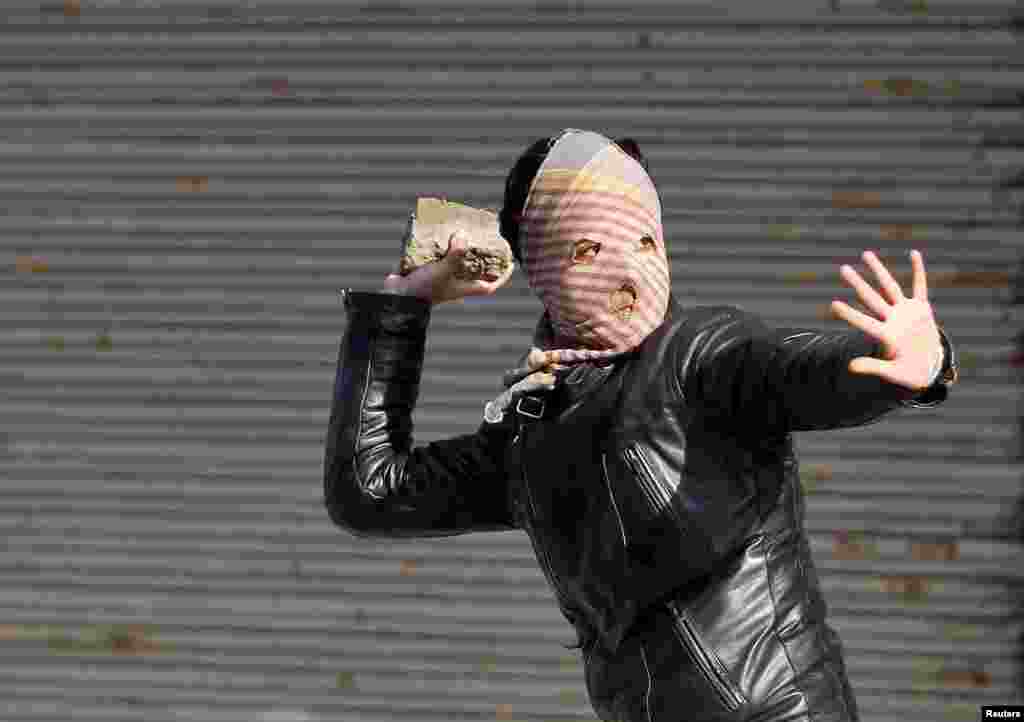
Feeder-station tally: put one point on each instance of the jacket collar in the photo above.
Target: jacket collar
(579, 380)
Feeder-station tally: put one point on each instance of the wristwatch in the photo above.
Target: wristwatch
(950, 372)
(948, 376)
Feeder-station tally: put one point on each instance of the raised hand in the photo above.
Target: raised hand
(437, 282)
(905, 326)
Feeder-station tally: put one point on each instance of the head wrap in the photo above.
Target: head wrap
(593, 250)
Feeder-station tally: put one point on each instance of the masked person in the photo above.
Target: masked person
(645, 449)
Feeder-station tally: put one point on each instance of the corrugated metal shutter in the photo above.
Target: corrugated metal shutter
(186, 185)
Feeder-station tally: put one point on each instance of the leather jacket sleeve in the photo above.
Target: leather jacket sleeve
(792, 379)
(375, 482)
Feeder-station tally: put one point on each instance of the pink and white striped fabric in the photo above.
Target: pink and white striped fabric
(594, 252)
(593, 248)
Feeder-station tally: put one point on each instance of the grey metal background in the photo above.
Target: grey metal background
(184, 187)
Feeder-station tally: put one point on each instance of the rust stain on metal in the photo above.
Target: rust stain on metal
(905, 87)
(31, 264)
(901, 86)
(908, 586)
(947, 551)
(131, 639)
(856, 199)
(193, 184)
(851, 545)
(813, 474)
(970, 678)
(958, 279)
(897, 232)
(802, 277)
(977, 279)
(955, 279)
(936, 279)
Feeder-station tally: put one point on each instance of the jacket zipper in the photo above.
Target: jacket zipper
(730, 698)
(688, 636)
(657, 496)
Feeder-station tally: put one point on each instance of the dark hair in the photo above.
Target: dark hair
(517, 185)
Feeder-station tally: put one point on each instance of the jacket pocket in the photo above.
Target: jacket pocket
(658, 534)
(705, 660)
(657, 496)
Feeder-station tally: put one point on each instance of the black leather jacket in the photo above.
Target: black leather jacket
(660, 490)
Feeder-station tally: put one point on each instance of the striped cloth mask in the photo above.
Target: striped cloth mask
(594, 253)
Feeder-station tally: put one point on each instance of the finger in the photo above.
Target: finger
(867, 366)
(860, 320)
(885, 370)
(504, 277)
(537, 358)
(920, 278)
(865, 292)
(498, 282)
(456, 243)
(482, 286)
(477, 288)
(886, 280)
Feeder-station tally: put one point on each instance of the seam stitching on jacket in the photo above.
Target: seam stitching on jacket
(677, 377)
(611, 495)
(775, 611)
(370, 343)
(650, 681)
(832, 672)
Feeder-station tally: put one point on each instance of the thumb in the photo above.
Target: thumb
(867, 366)
(457, 245)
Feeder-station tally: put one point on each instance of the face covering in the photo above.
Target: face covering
(594, 253)
(593, 247)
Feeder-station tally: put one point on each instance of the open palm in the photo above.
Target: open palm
(905, 326)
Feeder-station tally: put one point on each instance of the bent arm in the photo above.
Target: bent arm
(375, 482)
(793, 379)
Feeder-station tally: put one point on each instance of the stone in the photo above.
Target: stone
(488, 255)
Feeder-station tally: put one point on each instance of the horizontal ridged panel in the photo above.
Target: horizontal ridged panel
(185, 186)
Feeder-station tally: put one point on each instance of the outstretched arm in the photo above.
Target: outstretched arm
(800, 379)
